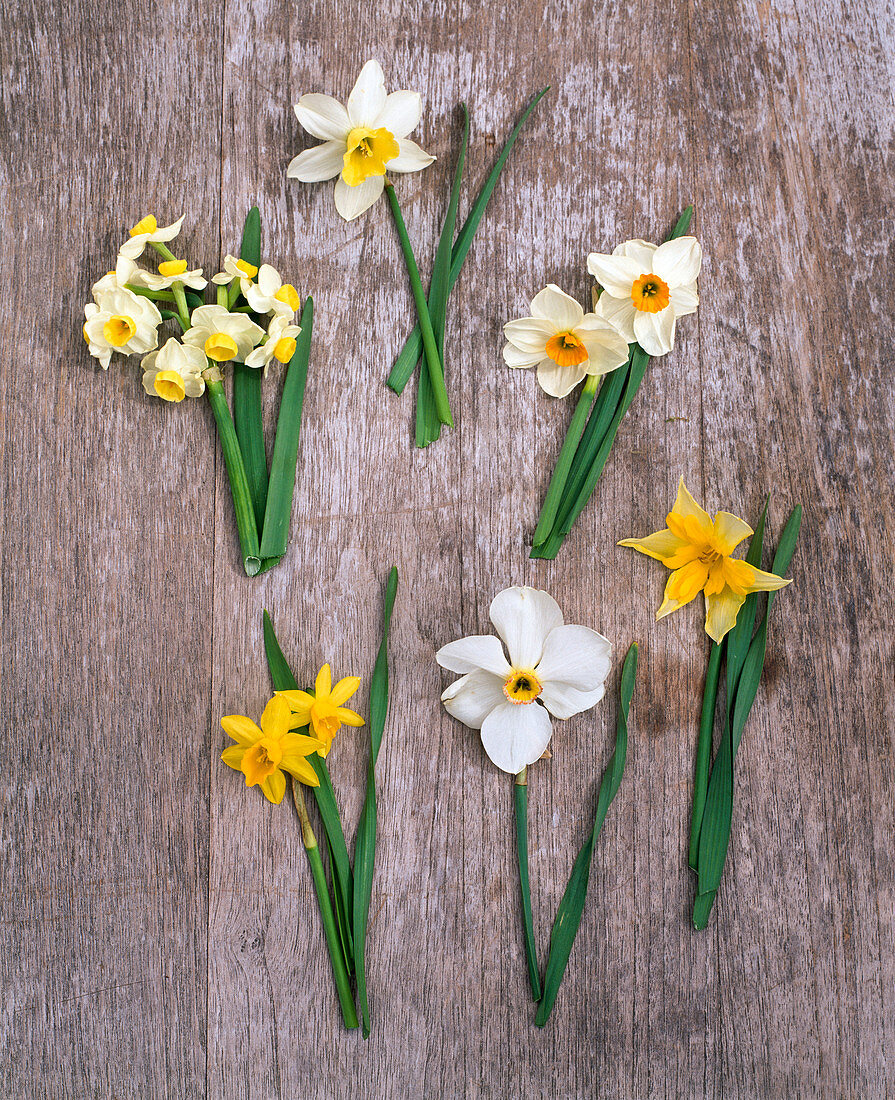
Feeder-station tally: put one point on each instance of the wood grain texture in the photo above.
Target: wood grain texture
(158, 933)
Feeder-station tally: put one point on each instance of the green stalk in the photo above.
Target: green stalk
(182, 308)
(410, 354)
(566, 455)
(365, 844)
(704, 749)
(433, 359)
(531, 952)
(239, 488)
(334, 946)
(153, 295)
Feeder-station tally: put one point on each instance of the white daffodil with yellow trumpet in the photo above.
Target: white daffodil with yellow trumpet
(249, 326)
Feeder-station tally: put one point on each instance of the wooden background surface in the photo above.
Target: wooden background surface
(158, 936)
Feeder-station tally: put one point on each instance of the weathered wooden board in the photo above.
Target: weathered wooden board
(158, 935)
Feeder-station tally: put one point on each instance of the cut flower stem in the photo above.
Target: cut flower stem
(333, 943)
(239, 486)
(430, 345)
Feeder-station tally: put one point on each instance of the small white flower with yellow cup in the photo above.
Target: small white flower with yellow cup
(120, 321)
(221, 334)
(147, 231)
(174, 371)
(280, 344)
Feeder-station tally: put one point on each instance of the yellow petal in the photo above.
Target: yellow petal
(274, 787)
(348, 717)
(721, 613)
(661, 545)
(344, 689)
(302, 771)
(685, 505)
(686, 583)
(766, 582)
(232, 757)
(276, 717)
(323, 684)
(242, 730)
(730, 531)
(296, 744)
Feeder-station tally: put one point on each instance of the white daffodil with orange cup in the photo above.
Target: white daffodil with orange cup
(131, 303)
(644, 289)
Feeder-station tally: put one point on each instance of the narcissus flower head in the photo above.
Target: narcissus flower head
(264, 753)
(280, 344)
(271, 295)
(222, 335)
(324, 711)
(647, 287)
(236, 269)
(563, 342)
(553, 669)
(174, 372)
(698, 550)
(148, 231)
(119, 320)
(169, 273)
(361, 140)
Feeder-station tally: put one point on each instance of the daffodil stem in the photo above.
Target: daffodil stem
(704, 750)
(163, 250)
(566, 456)
(430, 345)
(531, 954)
(223, 297)
(239, 486)
(182, 308)
(153, 295)
(333, 943)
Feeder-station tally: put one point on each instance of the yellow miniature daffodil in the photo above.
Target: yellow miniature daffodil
(264, 754)
(221, 334)
(236, 269)
(698, 551)
(280, 344)
(147, 231)
(269, 294)
(174, 372)
(361, 140)
(324, 710)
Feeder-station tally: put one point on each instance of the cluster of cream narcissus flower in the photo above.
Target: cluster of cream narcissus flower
(645, 288)
(548, 668)
(362, 140)
(124, 318)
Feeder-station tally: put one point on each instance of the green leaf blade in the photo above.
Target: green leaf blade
(365, 842)
(278, 513)
(571, 908)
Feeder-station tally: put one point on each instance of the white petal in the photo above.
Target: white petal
(367, 100)
(559, 381)
(516, 734)
(401, 113)
(605, 345)
(529, 333)
(351, 202)
(268, 280)
(615, 274)
(619, 312)
(639, 250)
(410, 157)
(655, 331)
(684, 299)
(472, 698)
(323, 117)
(563, 701)
(479, 651)
(523, 618)
(577, 656)
(553, 304)
(678, 262)
(323, 162)
(169, 232)
(514, 357)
